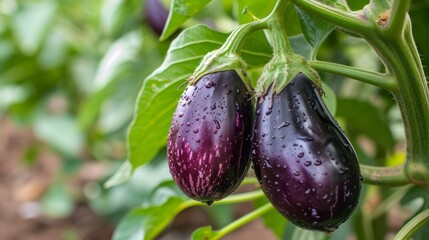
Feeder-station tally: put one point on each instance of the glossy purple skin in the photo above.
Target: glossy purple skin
(209, 140)
(306, 166)
(156, 15)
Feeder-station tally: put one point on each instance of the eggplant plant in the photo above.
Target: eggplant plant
(260, 91)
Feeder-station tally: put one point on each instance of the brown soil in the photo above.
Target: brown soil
(21, 188)
(23, 185)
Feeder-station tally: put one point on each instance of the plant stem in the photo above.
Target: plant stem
(242, 197)
(235, 198)
(384, 176)
(347, 20)
(237, 38)
(374, 78)
(396, 24)
(243, 220)
(413, 101)
(400, 56)
(413, 226)
(281, 44)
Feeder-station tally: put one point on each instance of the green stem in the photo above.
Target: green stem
(235, 198)
(347, 20)
(243, 220)
(401, 59)
(237, 38)
(374, 78)
(413, 101)
(412, 46)
(281, 44)
(242, 197)
(384, 176)
(396, 24)
(227, 57)
(413, 226)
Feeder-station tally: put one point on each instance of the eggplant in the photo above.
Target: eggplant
(209, 139)
(155, 15)
(305, 164)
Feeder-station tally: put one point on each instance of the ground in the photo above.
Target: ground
(22, 186)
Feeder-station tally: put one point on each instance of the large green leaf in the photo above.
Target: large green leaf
(180, 11)
(160, 92)
(367, 119)
(147, 223)
(113, 67)
(314, 29)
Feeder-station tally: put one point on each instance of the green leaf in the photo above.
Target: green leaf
(367, 119)
(117, 16)
(259, 9)
(121, 51)
(147, 223)
(359, 4)
(203, 233)
(114, 68)
(180, 11)
(11, 94)
(31, 24)
(54, 51)
(69, 140)
(301, 46)
(123, 174)
(291, 21)
(160, 91)
(419, 17)
(314, 29)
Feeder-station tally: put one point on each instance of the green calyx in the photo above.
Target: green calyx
(280, 71)
(285, 64)
(218, 61)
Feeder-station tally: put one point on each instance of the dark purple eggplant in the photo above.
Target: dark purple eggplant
(156, 15)
(209, 140)
(305, 164)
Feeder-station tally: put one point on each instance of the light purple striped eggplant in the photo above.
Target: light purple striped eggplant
(209, 139)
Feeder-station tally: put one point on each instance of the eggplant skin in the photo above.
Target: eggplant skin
(155, 15)
(209, 140)
(305, 164)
